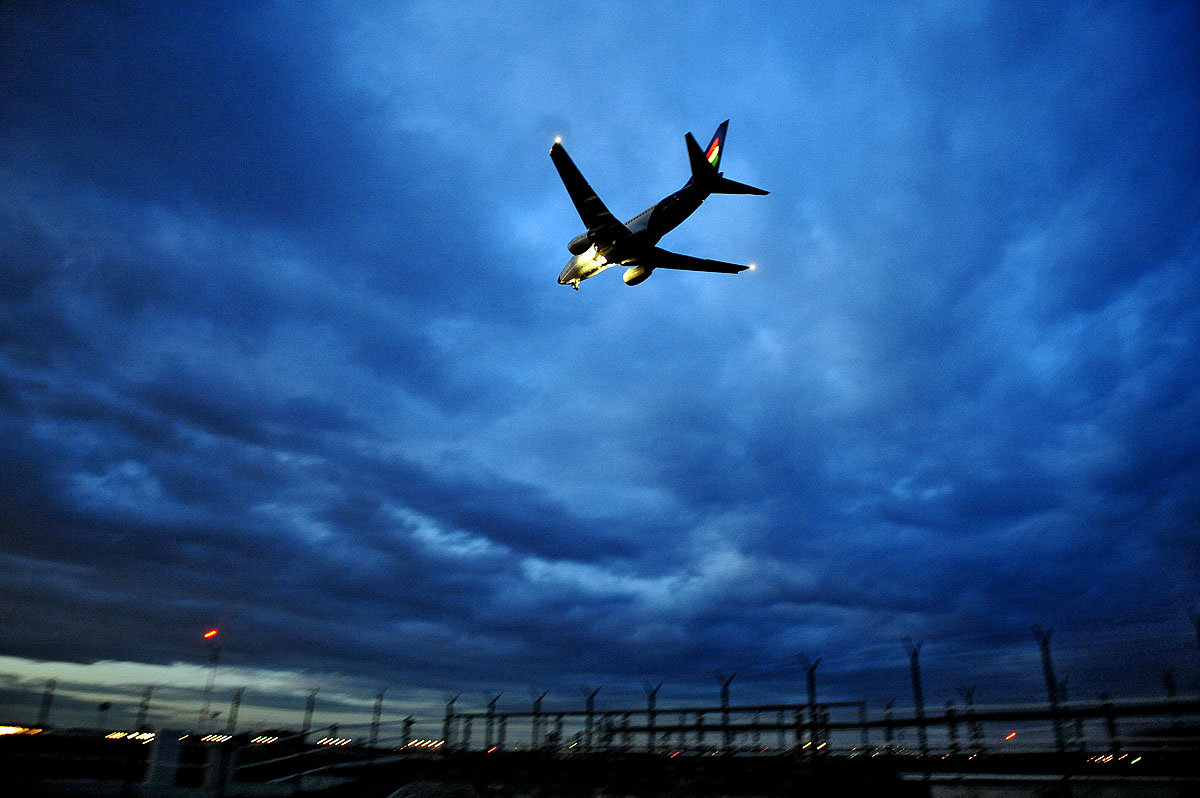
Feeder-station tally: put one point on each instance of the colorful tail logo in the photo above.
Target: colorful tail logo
(713, 153)
(713, 156)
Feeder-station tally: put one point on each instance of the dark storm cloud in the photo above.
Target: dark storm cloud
(209, 103)
(280, 342)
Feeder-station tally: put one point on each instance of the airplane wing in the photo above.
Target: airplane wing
(590, 207)
(659, 258)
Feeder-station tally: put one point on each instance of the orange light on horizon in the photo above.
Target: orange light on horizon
(1010, 735)
(4, 730)
(210, 634)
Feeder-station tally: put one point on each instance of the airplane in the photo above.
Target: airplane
(609, 243)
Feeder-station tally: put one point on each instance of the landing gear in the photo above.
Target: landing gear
(575, 284)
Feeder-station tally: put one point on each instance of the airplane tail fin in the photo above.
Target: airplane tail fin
(705, 166)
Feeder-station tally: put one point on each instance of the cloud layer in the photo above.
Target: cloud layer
(280, 343)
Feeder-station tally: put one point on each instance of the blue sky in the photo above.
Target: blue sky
(281, 348)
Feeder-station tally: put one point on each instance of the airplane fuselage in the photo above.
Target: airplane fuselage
(648, 228)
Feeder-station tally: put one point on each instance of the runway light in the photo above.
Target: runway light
(425, 743)
(5, 730)
(339, 741)
(210, 634)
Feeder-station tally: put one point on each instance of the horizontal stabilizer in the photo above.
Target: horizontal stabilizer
(726, 186)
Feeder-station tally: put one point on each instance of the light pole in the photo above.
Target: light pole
(214, 655)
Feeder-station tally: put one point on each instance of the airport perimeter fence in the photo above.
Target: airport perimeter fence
(1134, 737)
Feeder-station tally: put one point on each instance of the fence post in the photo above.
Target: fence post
(43, 718)
(651, 713)
(728, 732)
(308, 713)
(1051, 687)
(235, 703)
(1110, 723)
(973, 726)
(888, 730)
(1065, 720)
(536, 737)
(143, 709)
(952, 728)
(590, 716)
(811, 683)
(607, 730)
(375, 722)
(914, 652)
(489, 730)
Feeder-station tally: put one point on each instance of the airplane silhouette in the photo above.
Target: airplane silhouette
(634, 244)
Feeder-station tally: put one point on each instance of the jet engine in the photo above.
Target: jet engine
(579, 244)
(636, 274)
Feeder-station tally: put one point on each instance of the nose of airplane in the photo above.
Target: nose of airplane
(568, 272)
